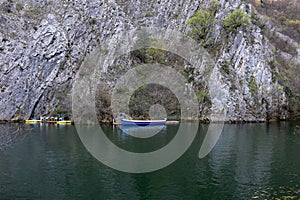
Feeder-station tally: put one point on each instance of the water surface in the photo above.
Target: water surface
(250, 161)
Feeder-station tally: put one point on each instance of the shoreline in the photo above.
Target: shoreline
(171, 122)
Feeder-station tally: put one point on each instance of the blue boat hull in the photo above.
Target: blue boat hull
(142, 123)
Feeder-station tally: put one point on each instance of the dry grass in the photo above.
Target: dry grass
(285, 14)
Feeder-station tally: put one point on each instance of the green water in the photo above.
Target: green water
(259, 161)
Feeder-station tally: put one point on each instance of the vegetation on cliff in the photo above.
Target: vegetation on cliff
(43, 44)
(281, 21)
(235, 19)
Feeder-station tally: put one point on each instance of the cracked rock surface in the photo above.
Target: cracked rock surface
(43, 43)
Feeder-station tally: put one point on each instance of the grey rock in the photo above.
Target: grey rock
(45, 43)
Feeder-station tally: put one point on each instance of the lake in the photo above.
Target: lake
(249, 161)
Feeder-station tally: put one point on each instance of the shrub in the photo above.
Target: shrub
(19, 6)
(203, 94)
(141, 45)
(235, 19)
(293, 22)
(147, 95)
(93, 21)
(60, 112)
(253, 87)
(201, 23)
(33, 12)
(226, 67)
(214, 6)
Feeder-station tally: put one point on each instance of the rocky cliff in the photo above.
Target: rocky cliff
(43, 44)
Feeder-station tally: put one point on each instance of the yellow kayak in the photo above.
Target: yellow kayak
(32, 121)
(64, 122)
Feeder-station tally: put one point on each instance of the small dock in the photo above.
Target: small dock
(49, 120)
(172, 122)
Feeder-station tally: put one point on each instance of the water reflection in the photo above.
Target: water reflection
(251, 154)
(10, 133)
(249, 161)
(142, 131)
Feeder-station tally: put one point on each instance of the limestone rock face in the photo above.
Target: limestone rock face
(43, 44)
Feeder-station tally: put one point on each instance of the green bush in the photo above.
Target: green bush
(60, 112)
(33, 12)
(226, 67)
(291, 22)
(235, 19)
(203, 94)
(201, 23)
(19, 6)
(214, 6)
(253, 87)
